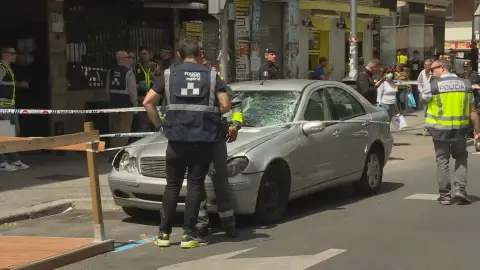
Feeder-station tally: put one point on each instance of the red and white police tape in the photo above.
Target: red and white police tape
(66, 112)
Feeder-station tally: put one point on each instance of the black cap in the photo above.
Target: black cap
(467, 64)
(270, 50)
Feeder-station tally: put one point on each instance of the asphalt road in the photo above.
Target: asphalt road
(334, 230)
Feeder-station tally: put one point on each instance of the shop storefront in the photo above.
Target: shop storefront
(325, 33)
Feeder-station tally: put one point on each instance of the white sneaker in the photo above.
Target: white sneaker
(20, 165)
(5, 167)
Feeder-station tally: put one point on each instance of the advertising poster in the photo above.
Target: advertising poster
(291, 65)
(243, 63)
(194, 30)
(242, 39)
(256, 58)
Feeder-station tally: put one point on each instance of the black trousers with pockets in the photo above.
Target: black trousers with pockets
(180, 156)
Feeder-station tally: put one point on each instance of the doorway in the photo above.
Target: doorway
(30, 41)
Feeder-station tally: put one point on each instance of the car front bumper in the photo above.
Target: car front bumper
(136, 190)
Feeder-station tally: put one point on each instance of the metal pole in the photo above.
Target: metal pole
(224, 44)
(353, 63)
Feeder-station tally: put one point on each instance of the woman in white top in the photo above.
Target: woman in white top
(387, 94)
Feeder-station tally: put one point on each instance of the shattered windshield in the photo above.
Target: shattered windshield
(266, 108)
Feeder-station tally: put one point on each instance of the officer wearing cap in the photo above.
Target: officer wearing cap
(450, 109)
(195, 99)
(270, 70)
(469, 74)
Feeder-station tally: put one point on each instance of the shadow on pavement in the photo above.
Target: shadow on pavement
(395, 158)
(331, 199)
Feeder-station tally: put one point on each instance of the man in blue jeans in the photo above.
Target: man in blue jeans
(7, 101)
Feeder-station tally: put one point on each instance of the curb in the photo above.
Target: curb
(36, 211)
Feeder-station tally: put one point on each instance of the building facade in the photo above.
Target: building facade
(70, 44)
(458, 24)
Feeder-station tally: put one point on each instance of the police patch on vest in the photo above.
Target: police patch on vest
(190, 90)
(451, 86)
(265, 73)
(192, 76)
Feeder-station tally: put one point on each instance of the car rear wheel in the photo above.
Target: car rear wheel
(372, 176)
(273, 194)
(138, 213)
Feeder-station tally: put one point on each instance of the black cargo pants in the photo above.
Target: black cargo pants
(222, 190)
(180, 156)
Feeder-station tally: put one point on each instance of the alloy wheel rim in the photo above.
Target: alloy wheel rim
(373, 171)
(272, 194)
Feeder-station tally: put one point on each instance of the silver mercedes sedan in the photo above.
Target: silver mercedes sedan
(298, 137)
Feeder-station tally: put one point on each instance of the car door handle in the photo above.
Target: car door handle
(365, 123)
(336, 133)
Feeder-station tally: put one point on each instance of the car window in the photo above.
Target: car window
(345, 105)
(318, 107)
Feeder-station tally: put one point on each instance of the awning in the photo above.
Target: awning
(342, 7)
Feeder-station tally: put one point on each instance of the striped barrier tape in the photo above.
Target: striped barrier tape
(66, 112)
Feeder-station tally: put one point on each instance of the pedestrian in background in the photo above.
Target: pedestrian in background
(423, 80)
(319, 73)
(387, 94)
(8, 88)
(401, 75)
(195, 97)
(474, 55)
(365, 83)
(450, 107)
(122, 93)
(416, 65)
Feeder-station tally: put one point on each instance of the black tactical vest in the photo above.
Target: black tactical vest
(191, 112)
(7, 87)
(119, 97)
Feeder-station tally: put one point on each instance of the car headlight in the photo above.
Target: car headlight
(236, 166)
(124, 161)
(128, 164)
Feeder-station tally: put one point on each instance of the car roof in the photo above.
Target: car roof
(297, 85)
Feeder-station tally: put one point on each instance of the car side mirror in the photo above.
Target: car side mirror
(312, 127)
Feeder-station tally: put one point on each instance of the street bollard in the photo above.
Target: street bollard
(97, 213)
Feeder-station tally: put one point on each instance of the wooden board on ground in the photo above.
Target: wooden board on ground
(39, 253)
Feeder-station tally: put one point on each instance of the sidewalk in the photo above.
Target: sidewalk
(53, 184)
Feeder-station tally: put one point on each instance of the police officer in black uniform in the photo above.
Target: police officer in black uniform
(270, 70)
(196, 98)
(122, 92)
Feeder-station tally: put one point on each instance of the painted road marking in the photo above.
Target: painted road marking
(225, 261)
(134, 244)
(423, 196)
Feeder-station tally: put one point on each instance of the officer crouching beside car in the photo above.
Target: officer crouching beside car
(195, 99)
(270, 70)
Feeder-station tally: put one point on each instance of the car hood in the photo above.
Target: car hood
(248, 138)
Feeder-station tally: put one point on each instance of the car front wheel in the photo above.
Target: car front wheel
(273, 194)
(372, 176)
